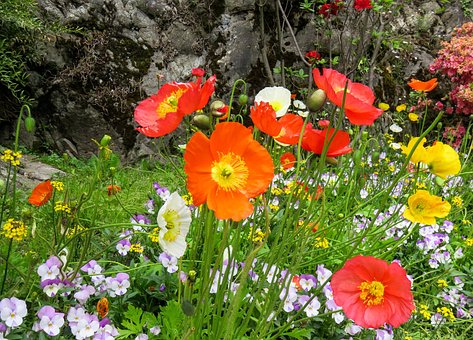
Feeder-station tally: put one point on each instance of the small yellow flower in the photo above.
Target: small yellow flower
(420, 185)
(61, 206)
(401, 108)
(383, 106)
(16, 230)
(137, 248)
(419, 154)
(11, 157)
(321, 243)
(413, 117)
(469, 242)
(59, 186)
(442, 283)
(257, 236)
(424, 208)
(276, 191)
(74, 231)
(446, 312)
(188, 199)
(457, 201)
(154, 235)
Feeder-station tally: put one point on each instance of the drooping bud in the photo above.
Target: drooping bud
(364, 136)
(30, 124)
(201, 121)
(357, 157)
(375, 157)
(242, 99)
(316, 100)
(105, 141)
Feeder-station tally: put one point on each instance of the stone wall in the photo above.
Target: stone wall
(91, 80)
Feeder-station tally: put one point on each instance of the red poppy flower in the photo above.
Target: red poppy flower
(312, 56)
(41, 194)
(359, 98)
(227, 170)
(372, 292)
(162, 113)
(287, 160)
(286, 130)
(330, 9)
(158, 115)
(324, 123)
(423, 86)
(360, 5)
(197, 96)
(314, 141)
(113, 189)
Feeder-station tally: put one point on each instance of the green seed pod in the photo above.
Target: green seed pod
(316, 100)
(242, 99)
(30, 124)
(201, 121)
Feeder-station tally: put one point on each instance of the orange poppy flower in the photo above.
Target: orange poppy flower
(113, 189)
(227, 170)
(286, 130)
(373, 292)
(102, 307)
(314, 140)
(162, 113)
(359, 98)
(287, 160)
(41, 194)
(423, 86)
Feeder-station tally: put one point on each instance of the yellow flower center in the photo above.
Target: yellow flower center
(170, 216)
(372, 293)
(169, 104)
(230, 172)
(276, 105)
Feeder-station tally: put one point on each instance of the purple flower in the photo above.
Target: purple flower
(50, 321)
(149, 205)
(169, 262)
(138, 221)
(307, 281)
(87, 326)
(323, 274)
(106, 331)
(51, 287)
(162, 192)
(84, 293)
(50, 269)
(123, 246)
(118, 285)
(12, 311)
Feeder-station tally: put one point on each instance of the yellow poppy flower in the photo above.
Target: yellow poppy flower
(424, 208)
(383, 106)
(442, 160)
(401, 108)
(413, 117)
(420, 152)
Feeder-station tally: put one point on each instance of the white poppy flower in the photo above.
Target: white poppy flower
(395, 128)
(277, 96)
(174, 219)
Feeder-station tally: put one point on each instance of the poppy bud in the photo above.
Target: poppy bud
(439, 125)
(364, 136)
(316, 100)
(357, 157)
(331, 160)
(242, 99)
(201, 121)
(217, 108)
(105, 141)
(30, 124)
(375, 157)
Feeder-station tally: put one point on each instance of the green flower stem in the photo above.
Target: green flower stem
(7, 260)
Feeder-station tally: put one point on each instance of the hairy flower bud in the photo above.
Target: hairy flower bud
(30, 124)
(316, 100)
(105, 141)
(201, 121)
(242, 99)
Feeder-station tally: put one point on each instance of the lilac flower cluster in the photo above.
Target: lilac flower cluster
(433, 241)
(453, 296)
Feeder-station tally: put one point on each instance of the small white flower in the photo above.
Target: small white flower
(395, 146)
(395, 128)
(277, 96)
